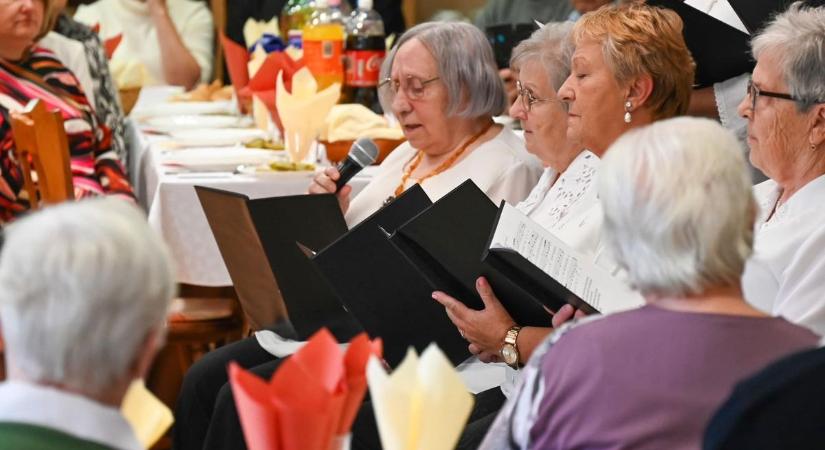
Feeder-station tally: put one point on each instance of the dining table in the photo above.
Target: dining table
(164, 175)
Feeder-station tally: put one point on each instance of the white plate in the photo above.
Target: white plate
(215, 138)
(259, 170)
(185, 108)
(174, 123)
(212, 159)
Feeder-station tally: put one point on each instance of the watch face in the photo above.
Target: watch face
(509, 353)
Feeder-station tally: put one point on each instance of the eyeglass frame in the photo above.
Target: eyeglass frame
(754, 92)
(388, 82)
(528, 99)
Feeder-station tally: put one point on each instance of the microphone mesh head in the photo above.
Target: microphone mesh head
(364, 152)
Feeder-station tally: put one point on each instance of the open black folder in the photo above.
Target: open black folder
(719, 50)
(272, 226)
(390, 296)
(446, 243)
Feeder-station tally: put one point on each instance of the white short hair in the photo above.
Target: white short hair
(678, 206)
(797, 36)
(81, 286)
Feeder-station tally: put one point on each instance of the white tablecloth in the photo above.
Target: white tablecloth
(175, 211)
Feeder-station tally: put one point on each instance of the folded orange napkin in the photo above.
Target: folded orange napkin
(111, 44)
(262, 83)
(311, 399)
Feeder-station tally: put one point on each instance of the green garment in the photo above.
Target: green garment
(19, 436)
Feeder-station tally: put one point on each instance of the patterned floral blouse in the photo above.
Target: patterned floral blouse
(96, 169)
(107, 104)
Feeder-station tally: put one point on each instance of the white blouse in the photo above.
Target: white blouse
(501, 167)
(131, 18)
(786, 274)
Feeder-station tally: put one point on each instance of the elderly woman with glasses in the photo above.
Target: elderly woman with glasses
(441, 83)
(630, 68)
(785, 109)
(678, 214)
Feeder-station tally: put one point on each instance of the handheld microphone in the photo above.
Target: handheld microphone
(362, 153)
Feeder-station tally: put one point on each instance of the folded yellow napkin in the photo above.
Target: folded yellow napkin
(129, 74)
(147, 415)
(254, 29)
(303, 111)
(351, 121)
(423, 405)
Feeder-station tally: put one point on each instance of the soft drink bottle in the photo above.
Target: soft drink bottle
(324, 44)
(365, 51)
(294, 17)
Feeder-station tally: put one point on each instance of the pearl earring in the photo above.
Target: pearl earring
(627, 116)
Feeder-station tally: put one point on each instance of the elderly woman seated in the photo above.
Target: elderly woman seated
(679, 217)
(164, 41)
(29, 72)
(785, 108)
(442, 85)
(77, 332)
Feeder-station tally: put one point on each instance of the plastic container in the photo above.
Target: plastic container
(294, 16)
(365, 51)
(323, 41)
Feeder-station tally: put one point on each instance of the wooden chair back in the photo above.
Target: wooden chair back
(42, 150)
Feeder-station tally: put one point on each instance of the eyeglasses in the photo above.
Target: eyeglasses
(413, 87)
(528, 99)
(754, 93)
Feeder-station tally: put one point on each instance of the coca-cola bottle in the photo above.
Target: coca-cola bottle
(365, 50)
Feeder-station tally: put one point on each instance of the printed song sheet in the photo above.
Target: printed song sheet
(517, 232)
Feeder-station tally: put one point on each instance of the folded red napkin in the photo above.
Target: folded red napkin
(311, 399)
(111, 44)
(262, 83)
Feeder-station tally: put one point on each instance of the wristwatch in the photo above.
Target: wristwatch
(509, 351)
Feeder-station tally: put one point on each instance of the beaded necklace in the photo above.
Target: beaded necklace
(416, 161)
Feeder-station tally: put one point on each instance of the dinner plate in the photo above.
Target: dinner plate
(169, 124)
(215, 137)
(263, 170)
(185, 108)
(212, 159)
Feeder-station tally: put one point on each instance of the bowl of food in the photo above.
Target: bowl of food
(338, 150)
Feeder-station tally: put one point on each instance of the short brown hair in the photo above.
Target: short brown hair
(639, 39)
(50, 15)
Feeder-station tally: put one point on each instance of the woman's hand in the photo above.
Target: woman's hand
(565, 314)
(484, 329)
(324, 183)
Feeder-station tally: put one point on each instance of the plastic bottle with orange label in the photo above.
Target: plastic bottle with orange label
(323, 41)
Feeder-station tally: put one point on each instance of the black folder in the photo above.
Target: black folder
(503, 38)
(719, 50)
(446, 242)
(279, 222)
(389, 296)
(755, 14)
(527, 280)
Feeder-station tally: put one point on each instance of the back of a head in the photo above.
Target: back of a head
(82, 284)
(678, 206)
(638, 39)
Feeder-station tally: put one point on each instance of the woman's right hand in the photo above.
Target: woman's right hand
(324, 183)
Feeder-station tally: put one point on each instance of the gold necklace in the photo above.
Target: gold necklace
(416, 161)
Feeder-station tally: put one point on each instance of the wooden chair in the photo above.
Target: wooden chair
(42, 150)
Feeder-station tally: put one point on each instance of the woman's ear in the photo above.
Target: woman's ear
(639, 90)
(817, 137)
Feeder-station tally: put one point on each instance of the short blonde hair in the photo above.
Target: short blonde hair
(639, 39)
(50, 15)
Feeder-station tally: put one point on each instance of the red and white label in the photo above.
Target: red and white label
(363, 67)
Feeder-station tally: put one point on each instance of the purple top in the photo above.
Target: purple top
(643, 379)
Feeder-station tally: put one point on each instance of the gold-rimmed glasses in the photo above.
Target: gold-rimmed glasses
(528, 99)
(414, 87)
